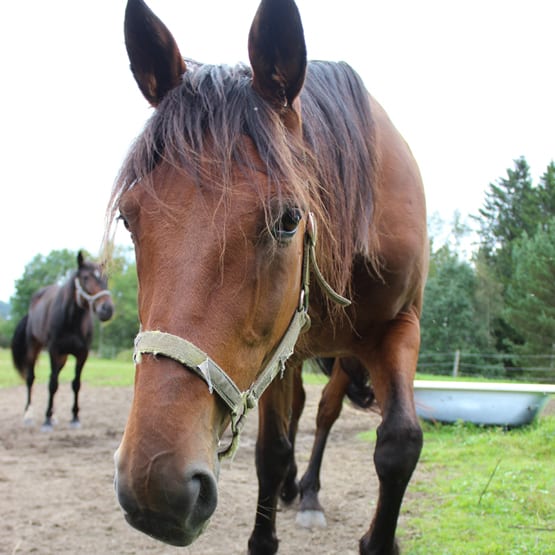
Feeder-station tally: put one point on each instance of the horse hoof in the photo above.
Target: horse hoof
(28, 418)
(75, 424)
(288, 495)
(311, 519)
(46, 428)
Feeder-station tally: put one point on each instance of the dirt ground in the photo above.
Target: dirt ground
(56, 494)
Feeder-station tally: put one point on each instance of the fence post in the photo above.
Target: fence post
(456, 363)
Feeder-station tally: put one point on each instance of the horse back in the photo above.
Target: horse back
(369, 174)
(400, 226)
(42, 310)
(377, 204)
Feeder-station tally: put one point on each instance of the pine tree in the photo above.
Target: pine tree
(511, 208)
(546, 194)
(530, 298)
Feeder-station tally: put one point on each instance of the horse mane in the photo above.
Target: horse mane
(200, 128)
(338, 127)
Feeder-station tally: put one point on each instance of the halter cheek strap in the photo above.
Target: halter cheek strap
(81, 295)
(238, 402)
(241, 402)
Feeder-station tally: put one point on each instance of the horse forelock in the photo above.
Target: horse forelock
(201, 126)
(200, 129)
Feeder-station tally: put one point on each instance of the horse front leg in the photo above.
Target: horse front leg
(273, 454)
(311, 513)
(76, 386)
(290, 487)
(399, 436)
(57, 362)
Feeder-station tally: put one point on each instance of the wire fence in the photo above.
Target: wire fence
(538, 368)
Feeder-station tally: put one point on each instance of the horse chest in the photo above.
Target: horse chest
(74, 335)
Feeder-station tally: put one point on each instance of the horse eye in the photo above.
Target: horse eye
(287, 224)
(125, 222)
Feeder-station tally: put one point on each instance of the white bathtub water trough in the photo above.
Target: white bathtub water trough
(487, 403)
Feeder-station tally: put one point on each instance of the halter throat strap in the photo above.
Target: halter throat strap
(241, 402)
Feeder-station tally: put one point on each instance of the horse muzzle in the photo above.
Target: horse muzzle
(104, 310)
(172, 507)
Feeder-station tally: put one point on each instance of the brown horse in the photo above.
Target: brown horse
(221, 193)
(60, 320)
(348, 378)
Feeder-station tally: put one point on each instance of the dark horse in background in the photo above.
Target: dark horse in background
(348, 379)
(258, 199)
(60, 319)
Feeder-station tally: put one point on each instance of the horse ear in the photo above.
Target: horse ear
(156, 62)
(80, 259)
(277, 51)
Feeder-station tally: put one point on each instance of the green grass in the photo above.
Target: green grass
(314, 378)
(482, 490)
(97, 371)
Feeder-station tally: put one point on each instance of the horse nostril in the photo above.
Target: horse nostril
(191, 500)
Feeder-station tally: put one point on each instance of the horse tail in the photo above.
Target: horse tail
(359, 390)
(19, 346)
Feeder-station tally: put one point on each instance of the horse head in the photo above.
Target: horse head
(91, 289)
(216, 197)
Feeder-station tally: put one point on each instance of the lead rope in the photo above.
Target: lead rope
(312, 235)
(249, 398)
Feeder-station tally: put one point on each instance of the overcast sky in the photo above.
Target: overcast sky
(470, 84)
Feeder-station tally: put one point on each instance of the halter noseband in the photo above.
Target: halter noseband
(81, 295)
(241, 402)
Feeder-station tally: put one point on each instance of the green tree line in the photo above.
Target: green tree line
(499, 300)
